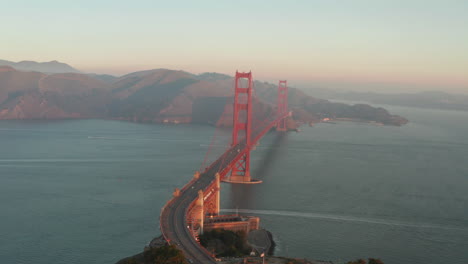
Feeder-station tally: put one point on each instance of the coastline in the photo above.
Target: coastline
(269, 258)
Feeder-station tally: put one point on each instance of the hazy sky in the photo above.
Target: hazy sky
(407, 43)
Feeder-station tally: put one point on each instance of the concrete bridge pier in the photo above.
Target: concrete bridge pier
(199, 211)
(206, 205)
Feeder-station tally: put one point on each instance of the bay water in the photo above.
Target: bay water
(90, 191)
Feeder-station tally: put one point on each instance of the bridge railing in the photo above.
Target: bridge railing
(168, 203)
(186, 186)
(161, 222)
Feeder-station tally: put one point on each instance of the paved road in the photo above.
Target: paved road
(173, 220)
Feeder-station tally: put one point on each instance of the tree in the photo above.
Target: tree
(226, 243)
(358, 261)
(362, 261)
(375, 261)
(164, 255)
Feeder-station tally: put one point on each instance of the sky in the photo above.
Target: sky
(360, 44)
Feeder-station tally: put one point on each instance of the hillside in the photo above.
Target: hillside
(427, 99)
(160, 96)
(45, 67)
(33, 95)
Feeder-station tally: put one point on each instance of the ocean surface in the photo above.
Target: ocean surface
(90, 191)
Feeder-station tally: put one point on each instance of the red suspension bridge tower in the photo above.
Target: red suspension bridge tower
(244, 135)
(282, 105)
(242, 127)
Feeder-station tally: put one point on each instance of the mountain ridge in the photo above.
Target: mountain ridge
(424, 99)
(45, 67)
(159, 96)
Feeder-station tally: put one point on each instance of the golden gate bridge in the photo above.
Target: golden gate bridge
(195, 207)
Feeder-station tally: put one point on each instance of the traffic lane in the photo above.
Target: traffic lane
(183, 236)
(178, 210)
(179, 238)
(195, 249)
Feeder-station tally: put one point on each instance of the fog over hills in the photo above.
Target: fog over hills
(159, 96)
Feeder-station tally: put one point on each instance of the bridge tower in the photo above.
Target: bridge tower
(282, 105)
(242, 126)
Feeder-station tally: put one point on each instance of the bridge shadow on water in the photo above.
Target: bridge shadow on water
(243, 195)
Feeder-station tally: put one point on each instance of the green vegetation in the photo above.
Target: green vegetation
(362, 261)
(292, 261)
(164, 255)
(161, 255)
(225, 243)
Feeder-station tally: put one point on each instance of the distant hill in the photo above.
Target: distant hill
(427, 99)
(104, 77)
(160, 95)
(34, 95)
(45, 67)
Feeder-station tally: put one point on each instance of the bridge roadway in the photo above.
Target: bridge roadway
(173, 217)
(173, 220)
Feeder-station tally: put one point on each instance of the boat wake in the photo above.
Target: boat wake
(344, 218)
(149, 139)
